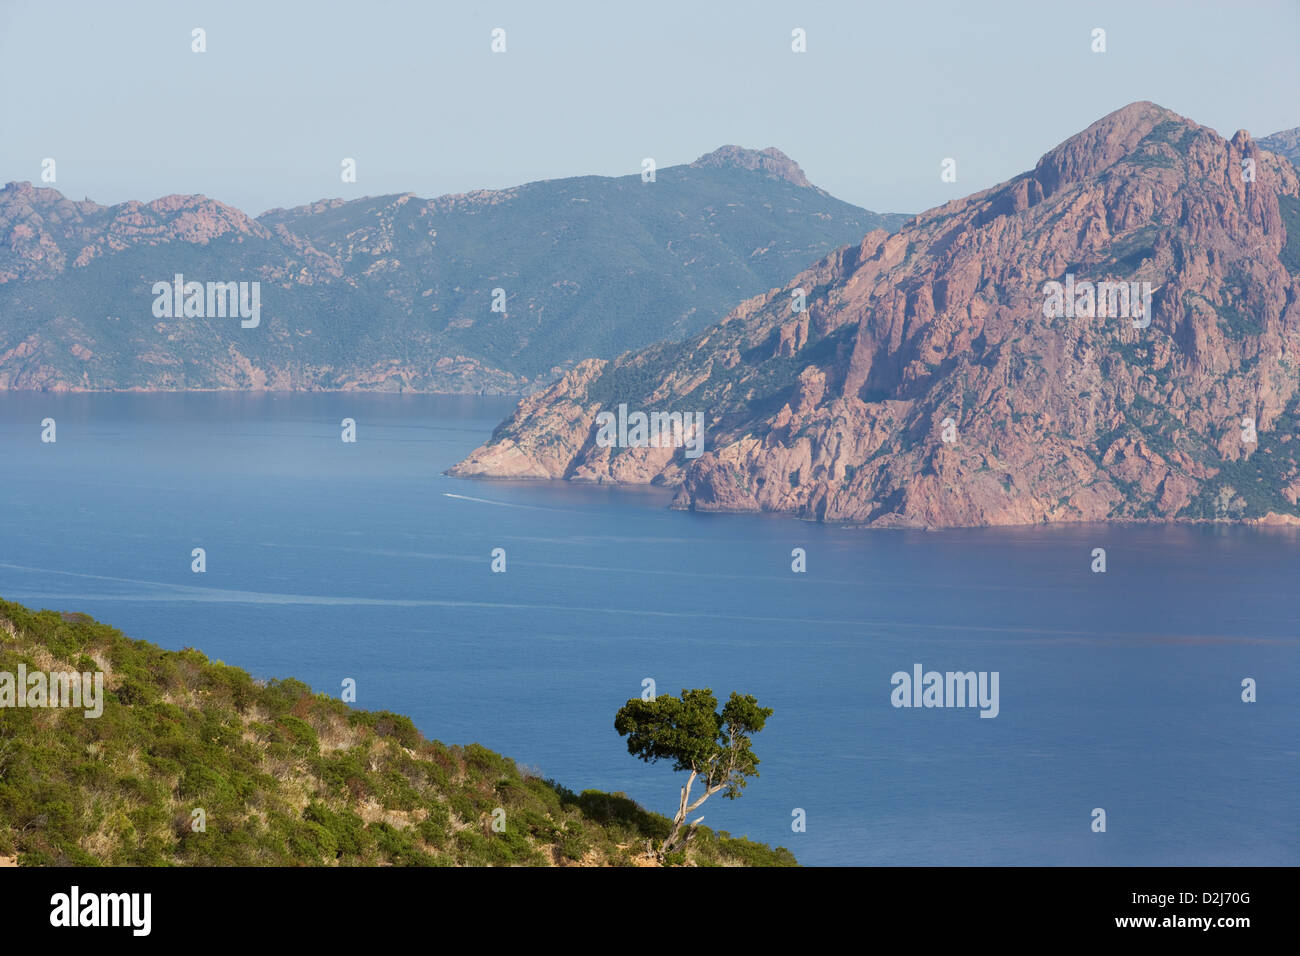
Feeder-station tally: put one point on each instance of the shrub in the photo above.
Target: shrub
(131, 778)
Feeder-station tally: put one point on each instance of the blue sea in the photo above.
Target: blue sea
(328, 560)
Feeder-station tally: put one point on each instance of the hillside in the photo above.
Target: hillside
(1285, 143)
(839, 412)
(396, 292)
(283, 776)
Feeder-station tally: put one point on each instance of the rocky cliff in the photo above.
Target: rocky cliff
(935, 378)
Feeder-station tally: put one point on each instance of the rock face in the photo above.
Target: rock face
(771, 162)
(398, 292)
(929, 382)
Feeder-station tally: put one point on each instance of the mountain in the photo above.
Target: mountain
(946, 330)
(396, 292)
(1286, 143)
(284, 777)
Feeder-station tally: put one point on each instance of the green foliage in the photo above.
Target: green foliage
(436, 827)
(714, 746)
(756, 854)
(285, 777)
(574, 845)
(1125, 256)
(1177, 134)
(1289, 207)
(1148, 158)
(621, 814)
(690, 731)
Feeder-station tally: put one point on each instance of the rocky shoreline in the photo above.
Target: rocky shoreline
(926, 385)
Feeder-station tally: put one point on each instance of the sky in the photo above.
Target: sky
(412, 91)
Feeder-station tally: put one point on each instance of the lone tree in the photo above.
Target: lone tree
(689, 730)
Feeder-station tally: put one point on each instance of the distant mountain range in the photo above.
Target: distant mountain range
(1285, 143)
(397, 292)
(961, 371)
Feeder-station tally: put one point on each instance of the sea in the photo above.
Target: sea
(1118, 691)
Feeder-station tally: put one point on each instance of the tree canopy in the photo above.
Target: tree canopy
(713, 746)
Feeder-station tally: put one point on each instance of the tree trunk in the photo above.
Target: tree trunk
(676, 840)
(670, 843)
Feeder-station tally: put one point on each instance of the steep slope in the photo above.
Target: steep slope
(1285, 143)
(396, 292)
(838, 412)
(284, 777)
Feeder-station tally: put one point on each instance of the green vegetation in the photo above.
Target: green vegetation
(282, 776)
(1289, 207)
(1174, 132)
(1235, 323)
(1140, 157)
(1250, 487)
(1126, 255)
(715, 747)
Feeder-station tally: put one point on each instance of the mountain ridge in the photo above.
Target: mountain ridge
(1284, 142)
(837, 413)
(397, 292)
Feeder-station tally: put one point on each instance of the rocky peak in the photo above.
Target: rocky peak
(194, 218)
(837, 412)
(1102, 145)
(25, 190)
(770, 161)
(25, 198)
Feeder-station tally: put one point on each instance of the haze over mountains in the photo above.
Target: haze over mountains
(396, 292)
(840, 412)
(1285, 143)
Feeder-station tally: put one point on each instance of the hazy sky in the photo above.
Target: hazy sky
(412, 91)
